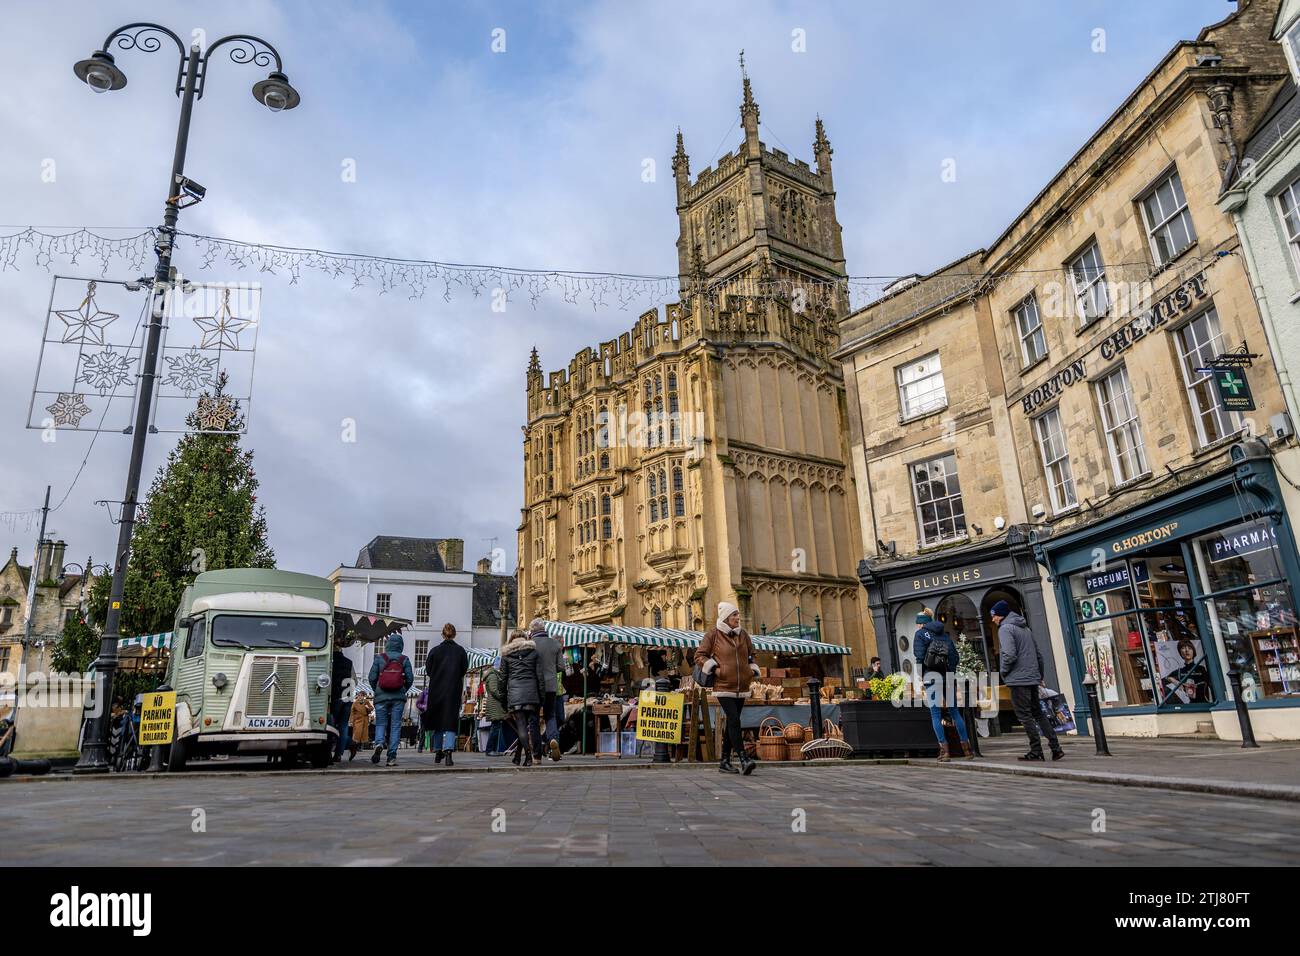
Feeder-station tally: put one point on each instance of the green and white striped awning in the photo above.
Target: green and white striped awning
(577, 635)
(159, 641)
(478, 657)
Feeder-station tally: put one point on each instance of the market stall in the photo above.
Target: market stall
(606, 665)
(146, 652)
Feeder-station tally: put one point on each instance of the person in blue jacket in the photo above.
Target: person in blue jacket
(391, 676)
(934, 675)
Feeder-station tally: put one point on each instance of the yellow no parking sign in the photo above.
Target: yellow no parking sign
(157, 717)
(659, 717)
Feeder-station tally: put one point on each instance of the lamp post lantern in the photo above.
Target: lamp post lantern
(101, 73)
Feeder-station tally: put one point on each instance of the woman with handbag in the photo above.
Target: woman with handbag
(724, 661)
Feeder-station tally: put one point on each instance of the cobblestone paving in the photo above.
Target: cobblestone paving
(858, 815)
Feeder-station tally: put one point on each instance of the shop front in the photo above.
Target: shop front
(960, 585)
(1159, 604)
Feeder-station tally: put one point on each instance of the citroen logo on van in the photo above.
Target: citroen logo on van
(272, 680)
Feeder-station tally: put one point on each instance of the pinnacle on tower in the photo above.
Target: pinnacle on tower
(821, 145)
(681, 162)
(534, 364)
(747, 106)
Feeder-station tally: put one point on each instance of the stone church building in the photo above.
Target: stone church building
(702, 455)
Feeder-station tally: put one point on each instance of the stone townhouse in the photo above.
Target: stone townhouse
(1134, 446)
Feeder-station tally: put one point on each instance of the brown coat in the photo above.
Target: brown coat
(734, 654)
(359, 718)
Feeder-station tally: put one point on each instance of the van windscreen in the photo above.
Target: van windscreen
(231, 630)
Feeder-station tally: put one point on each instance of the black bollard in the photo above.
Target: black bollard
(1243, 712)
(972, 729)
(815, 705)
(662, 686)
(1098, 729)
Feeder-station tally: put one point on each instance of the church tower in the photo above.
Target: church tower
(759, 214)
(701, 456)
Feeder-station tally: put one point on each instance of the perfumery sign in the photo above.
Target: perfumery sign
(1116, 578)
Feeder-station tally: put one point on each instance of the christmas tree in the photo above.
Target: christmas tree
(201, 514)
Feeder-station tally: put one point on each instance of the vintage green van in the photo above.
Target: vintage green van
(250, 664)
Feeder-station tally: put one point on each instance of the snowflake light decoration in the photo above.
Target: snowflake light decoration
(190, 372)
(86, 323)
(69, 409)
(222, 330)
(105, 371)
(215, 414)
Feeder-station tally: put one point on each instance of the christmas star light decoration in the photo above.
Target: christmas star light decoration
(190, 372)
(86, 323)
(222, 330)
(69, 409)
(105, 371)
(215, 414)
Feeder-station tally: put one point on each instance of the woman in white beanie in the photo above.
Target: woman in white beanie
(727, 654)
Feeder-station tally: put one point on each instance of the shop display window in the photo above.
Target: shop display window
(1114, 651)
(1251, 607)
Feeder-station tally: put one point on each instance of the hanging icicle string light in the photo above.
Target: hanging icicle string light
(418, 277)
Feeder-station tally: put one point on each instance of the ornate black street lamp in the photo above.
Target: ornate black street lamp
(101, 73)
(86, 570)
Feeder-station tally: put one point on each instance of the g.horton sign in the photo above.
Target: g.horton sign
(1190, 293)
(1144, 538)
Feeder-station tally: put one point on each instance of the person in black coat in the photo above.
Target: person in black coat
(444, 673)
(341, 686)
(522, 684)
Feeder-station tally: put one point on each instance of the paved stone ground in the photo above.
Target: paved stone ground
(855, 814)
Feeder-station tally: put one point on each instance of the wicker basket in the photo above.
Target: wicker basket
(794, 750)
(794, 733)
(771, 740)
(825, 748)
(829, 746)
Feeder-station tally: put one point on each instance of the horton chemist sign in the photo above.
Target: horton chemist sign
(659, 717)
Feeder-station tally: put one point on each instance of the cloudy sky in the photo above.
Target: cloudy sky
(529, 157)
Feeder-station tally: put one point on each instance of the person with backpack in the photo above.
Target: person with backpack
(1020, 663)
(445, 671)
(936, 658)
(523, 683)
(391, 675)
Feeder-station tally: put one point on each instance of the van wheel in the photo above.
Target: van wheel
(320, 756)
(180, 752)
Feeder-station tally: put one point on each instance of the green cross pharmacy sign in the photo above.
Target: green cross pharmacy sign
(1234, 390)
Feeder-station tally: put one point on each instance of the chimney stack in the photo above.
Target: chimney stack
(44, 554)
(56, 564)
(452, 551)
(484, 565)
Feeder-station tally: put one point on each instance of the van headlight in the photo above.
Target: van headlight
(219, 680)
(323, 681)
